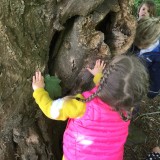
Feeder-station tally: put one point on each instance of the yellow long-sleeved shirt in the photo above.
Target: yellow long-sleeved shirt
(62, 108)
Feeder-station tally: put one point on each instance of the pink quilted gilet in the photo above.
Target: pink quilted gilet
(99, 135)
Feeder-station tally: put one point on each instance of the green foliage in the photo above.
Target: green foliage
(138, 2)
(158, 6)
(52, 86)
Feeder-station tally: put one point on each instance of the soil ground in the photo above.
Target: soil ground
(144, 130)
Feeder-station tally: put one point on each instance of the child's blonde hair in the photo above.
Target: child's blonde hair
(147, 32)
(151, 6)
(123, 84)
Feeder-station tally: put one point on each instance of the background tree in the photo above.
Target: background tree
(59, 37)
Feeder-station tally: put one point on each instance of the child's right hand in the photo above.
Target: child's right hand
(38, 81)
(98, 68)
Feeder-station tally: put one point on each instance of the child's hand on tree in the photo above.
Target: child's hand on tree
(38, 81)
(98, 68)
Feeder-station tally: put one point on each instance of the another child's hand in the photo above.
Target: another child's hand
(98, 68)
(38, 81)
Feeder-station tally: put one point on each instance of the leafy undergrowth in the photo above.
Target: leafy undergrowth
(144, 130)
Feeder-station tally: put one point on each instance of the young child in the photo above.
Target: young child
(146, 9)
(155, 154)
(147, 47)
(98, 120)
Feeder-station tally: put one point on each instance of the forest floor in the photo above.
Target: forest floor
(144, 132)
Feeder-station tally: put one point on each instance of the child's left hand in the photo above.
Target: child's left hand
(98, 68)
(38, 81)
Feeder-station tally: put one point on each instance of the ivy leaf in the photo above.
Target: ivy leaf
(52, 86)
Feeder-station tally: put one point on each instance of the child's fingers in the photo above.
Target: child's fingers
(90, 70)
(33, 79)
(37, 76)
(102, 63)
(103, 66)
(42, 78)
(97, 63)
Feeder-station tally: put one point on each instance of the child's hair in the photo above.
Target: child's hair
(123, 84)
(151, 6)
(147, 32)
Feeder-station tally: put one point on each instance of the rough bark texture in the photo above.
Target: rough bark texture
(66, 34)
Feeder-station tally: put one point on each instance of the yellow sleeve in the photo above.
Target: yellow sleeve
(97, 78)
(59, 109)
(72, 108)
(43, 100)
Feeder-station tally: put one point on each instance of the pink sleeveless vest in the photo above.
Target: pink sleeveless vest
(99, 135)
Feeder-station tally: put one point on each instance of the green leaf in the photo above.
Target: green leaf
(52, 86)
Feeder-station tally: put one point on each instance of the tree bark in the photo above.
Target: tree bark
(61, 37)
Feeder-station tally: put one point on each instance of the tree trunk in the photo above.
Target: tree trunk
(61, 37)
